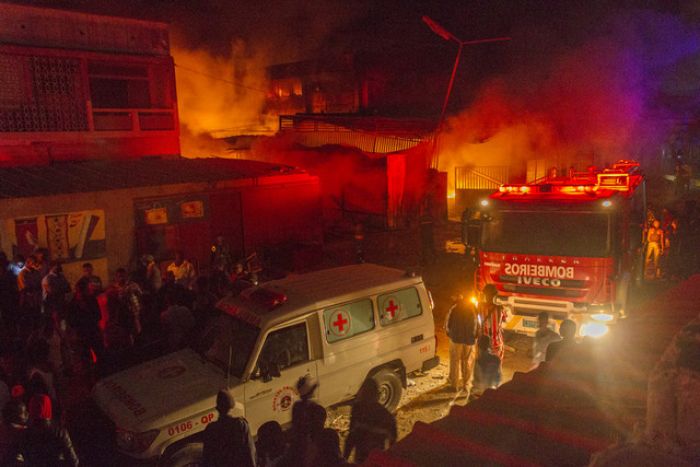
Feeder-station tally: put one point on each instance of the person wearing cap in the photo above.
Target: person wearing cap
(228, 441)
(302, 409)
(46, 443)
(308, 419)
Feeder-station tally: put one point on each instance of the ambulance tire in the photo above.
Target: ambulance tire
(186, 455)
(390, 388)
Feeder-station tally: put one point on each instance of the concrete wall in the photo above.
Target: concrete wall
(118, 206)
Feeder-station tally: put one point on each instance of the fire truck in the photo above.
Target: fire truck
(570, 245)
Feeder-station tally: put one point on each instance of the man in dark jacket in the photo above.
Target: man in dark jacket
(461, 327)
(12, 431)
(228, 441)
(46, 444)
(372, 426)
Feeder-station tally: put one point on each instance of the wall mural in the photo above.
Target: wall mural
(69, 237)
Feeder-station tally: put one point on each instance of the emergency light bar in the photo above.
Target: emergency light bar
(547, 188)
(615, 178)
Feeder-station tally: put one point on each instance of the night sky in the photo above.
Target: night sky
(579, 66)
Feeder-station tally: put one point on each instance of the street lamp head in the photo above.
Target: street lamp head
(439, 30)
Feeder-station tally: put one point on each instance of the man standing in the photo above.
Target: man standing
(372, 426)
(461, 328)
(221, 257)
(46, 443)
(55, 290)
(29, 287)
(183, 271)
(543, 337)
(493, 318)
(567, 331)
(88, 278)
(227, 441)
(655, 248)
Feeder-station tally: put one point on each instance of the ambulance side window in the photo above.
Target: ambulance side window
(344, 321)
(285, 347)
(399, 305)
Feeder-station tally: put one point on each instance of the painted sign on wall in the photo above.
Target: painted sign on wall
(72, 236)
(173, 210)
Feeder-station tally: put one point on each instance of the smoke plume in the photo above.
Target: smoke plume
(602, 100)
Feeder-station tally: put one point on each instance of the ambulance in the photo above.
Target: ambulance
(341, 326)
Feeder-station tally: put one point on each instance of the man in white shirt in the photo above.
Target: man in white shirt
(183, 271)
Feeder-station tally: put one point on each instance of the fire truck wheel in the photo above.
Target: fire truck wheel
(390, 389)
(188, 455)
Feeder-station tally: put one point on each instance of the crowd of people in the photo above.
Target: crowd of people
(228, 441)
(52, 331)
(477, 348)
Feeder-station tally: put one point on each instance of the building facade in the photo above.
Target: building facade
(78, 86)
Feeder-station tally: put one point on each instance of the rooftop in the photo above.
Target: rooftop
(92, 176)
(319, 289)
(54, 28)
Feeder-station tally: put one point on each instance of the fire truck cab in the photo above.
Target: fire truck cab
(569, 245)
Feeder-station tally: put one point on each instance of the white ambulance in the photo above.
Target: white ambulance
(340, 325)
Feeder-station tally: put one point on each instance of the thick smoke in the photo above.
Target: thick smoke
(602, 100)
(218, 96)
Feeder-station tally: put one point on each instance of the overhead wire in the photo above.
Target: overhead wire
(216, 78)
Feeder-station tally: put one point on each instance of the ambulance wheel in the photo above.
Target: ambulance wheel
(390, 389)
(188, 455)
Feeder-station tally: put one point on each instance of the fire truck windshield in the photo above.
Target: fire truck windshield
(560, 233)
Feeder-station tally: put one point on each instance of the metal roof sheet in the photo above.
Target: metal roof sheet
(92, 176)
(565, 410)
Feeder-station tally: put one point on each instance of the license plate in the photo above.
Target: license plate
(530, 323)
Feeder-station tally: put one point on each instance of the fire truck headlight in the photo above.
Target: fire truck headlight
(594, 330)
(604, 317)
(607, 203)
(484, 202)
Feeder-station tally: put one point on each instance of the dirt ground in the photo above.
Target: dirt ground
(449, 273)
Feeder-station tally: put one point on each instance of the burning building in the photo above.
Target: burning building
(90, 157)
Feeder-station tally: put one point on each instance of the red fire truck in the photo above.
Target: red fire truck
(570, 245)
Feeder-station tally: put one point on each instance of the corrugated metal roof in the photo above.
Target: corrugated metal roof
(565, 410)
(89, 176)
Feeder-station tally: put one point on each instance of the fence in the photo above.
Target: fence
(369, 134)
(480, 178)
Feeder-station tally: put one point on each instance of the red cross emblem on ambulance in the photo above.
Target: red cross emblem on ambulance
(391, 308)
(339, 323)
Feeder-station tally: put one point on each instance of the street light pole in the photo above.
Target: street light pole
(448, 36)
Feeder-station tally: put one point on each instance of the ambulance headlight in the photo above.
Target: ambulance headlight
(129, 441)
(594, 330)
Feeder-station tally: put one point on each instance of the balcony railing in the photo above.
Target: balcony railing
(132, 120)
